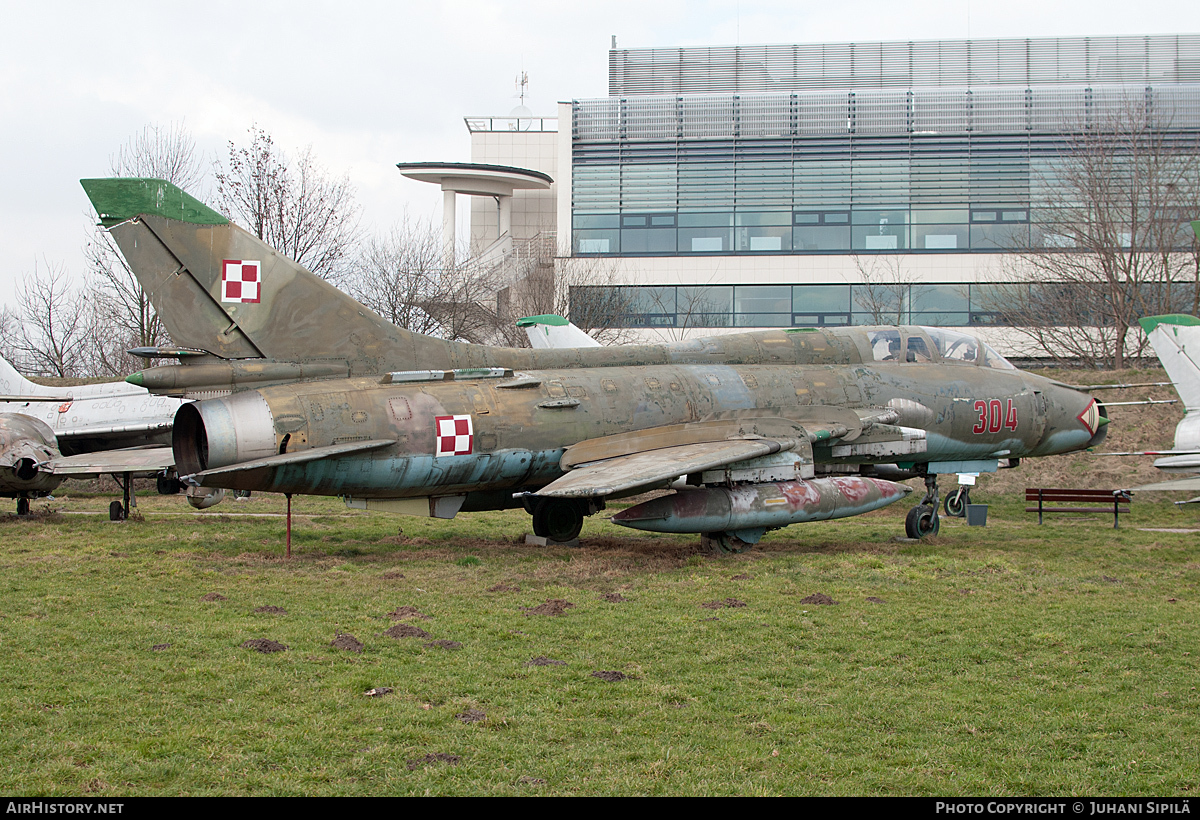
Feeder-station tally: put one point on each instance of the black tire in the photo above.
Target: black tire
(557, 519)
(722, 543)
(956, 503)
(168, 486)
(116, 511)
(922, 521)
(22, 506)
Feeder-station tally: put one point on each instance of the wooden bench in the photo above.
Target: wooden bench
(1112, 499)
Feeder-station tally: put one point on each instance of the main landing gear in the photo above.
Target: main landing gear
(559, 519)
(723, 543)
(922, 520)
(118, 511)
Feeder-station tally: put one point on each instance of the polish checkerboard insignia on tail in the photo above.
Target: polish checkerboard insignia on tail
(241, 280)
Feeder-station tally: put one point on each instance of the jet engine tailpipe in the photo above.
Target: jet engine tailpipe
(219, 432)
(769, 506)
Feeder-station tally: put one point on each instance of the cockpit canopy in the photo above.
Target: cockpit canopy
(917, 344)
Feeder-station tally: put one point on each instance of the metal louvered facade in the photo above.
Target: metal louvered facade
(1154, 60)
(920, 147)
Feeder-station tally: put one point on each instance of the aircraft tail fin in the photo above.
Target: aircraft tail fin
(1176, 340)
(12, 383)
(550, 332)
(220, 289)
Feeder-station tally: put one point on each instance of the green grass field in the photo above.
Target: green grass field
(1011, 659)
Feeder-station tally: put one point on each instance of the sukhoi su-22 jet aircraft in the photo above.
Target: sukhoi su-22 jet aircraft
(300, 389)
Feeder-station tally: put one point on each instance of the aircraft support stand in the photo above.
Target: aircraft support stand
(289, 525)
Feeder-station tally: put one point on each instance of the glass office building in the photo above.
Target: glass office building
(945, 148)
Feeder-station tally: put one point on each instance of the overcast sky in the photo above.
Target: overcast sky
(370, 84)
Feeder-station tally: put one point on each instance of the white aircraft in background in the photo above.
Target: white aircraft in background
(550, 331)
(1176, 340)
(50, 434)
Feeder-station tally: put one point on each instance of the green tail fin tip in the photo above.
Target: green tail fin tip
(120, 198)
(1148, 323)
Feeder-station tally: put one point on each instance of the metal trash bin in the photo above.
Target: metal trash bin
(977, 515)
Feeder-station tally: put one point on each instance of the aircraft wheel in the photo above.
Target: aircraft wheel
(956, 503)
(557, 519)
(169, 486)
(116, 511)
(722, 543)
(22, 506)
(922, 520)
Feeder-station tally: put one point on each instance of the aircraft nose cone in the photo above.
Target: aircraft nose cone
(1095, 418)
(1075, 421)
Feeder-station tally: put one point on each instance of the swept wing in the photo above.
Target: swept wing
(133, 460)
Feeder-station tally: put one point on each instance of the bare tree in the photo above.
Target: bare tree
(161, 152)
(53, 336)
(10, 333)
(401, 275)
(886, 288)
(292, 205)
(1109, 240)
(582, 289)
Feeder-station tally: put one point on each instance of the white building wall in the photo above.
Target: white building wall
(532, 211)
(833, 269)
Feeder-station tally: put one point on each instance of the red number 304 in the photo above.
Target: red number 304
(995, 416)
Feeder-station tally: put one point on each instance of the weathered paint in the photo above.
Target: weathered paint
(516, 437)
(761, 506)
(24, 443)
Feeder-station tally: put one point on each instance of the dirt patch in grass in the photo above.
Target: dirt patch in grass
(553, 606)
(347, 642)
(745, 576)
(393, 575)
(726, 603)
(406, 631)
(438, 757)
(614, 598)
(272, 610)
(378, 691)
(407, 611)
(263, 645)
(872, 599)
(471, 716)
(444, 644)
(544, 661)
(213, 596)
(611, 677)
(159, 647)
(819, 598)
(504, 588)
(403, 541)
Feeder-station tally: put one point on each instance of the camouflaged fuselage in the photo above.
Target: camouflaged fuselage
(518, 433)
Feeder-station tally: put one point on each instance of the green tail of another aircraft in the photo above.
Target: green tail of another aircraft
(220, 289)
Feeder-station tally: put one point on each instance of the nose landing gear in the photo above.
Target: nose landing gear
(956, 503)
